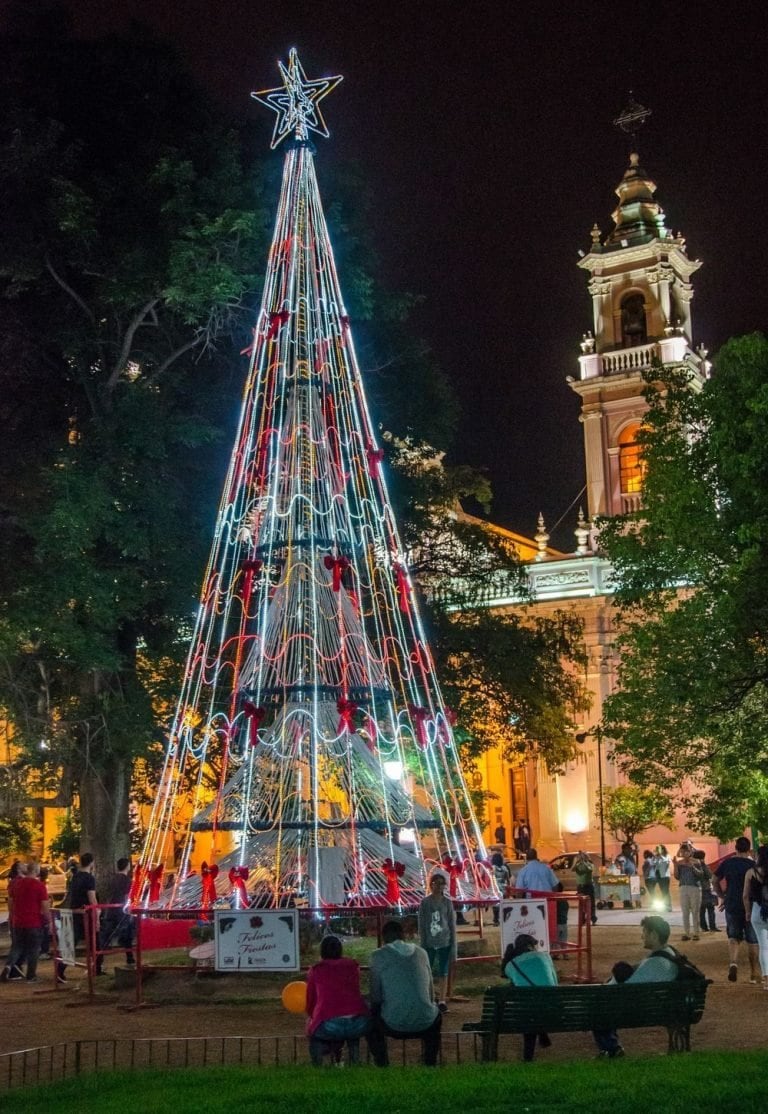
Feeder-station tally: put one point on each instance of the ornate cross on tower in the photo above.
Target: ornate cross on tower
(631, 118)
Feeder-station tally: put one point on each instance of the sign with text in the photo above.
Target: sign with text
(256, 939)
(524, 915)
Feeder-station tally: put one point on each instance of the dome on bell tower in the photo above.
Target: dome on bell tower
(638, 218)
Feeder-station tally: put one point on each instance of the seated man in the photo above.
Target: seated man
(658, 967)
(402, 997)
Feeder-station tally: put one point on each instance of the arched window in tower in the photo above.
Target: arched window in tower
(633, 324)
(631, 466)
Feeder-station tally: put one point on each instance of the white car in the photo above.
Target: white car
(56, 882)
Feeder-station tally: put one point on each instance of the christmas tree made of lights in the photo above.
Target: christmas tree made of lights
(311, 759)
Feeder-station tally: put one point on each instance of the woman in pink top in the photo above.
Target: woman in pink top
(337, 1010)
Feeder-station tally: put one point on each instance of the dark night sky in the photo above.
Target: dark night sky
(485, 131)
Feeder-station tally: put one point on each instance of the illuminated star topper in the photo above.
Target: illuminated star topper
(297, 102)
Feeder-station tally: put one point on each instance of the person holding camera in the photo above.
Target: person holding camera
(689, 874)
(584, 870)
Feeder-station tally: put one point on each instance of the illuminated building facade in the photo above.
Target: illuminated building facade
(640, 285)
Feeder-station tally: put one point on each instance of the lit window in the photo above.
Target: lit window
(631, 466)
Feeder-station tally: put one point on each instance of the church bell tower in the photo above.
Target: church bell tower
(640, 284)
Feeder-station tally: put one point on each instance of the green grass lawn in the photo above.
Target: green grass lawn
(664, 1084)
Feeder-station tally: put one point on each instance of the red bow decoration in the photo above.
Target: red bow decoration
(249, 350)
(238, 876)
(209, 874)
(155, 875)
(344, 323)
(375, 457)
(392, 872)
(454, 870)
(251, 568)
(403, 589)
(282, 317)
(346, 710)
(254, 716)
(339, 566)
(419, 717)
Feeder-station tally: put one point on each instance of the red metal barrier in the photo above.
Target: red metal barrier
(171, 928)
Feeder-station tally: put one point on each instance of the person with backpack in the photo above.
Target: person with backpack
(664, 964)
(756, 906)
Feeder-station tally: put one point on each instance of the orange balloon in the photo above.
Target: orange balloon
(294, 997)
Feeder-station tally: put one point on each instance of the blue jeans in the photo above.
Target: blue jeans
(26, 949)
(439, 960)
(330, 1036)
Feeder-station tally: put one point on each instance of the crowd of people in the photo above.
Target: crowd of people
(34, 924)
(408, 991)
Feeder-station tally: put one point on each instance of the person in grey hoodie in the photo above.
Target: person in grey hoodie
(402, 997)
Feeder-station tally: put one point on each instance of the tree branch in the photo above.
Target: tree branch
(68, 289)
(175, 356)
(139, 319)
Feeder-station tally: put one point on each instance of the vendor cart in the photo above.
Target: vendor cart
(617, 891)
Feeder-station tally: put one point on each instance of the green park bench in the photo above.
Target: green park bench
(674, 1006)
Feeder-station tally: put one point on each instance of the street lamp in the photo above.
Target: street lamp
(581, 738)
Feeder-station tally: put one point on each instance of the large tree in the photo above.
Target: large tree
(691, 713)
(131, 240)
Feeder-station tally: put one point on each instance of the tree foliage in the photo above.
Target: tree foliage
(630, 809)
(691, 713)
(513, 679)
(125, 271)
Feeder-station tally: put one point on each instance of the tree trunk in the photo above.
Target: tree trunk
(104, 817)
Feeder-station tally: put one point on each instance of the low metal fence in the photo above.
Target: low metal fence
(53, 1063)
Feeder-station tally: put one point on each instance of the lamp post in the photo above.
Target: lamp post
(581, 737)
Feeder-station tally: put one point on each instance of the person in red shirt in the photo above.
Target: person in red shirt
(337, 1011)
(30, 906)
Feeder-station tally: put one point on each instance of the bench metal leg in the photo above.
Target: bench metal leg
(490, 1050)
(679, 1038)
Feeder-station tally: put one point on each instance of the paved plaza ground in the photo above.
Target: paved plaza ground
(249, 1005)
